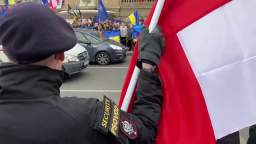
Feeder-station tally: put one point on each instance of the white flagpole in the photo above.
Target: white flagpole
(134, 78)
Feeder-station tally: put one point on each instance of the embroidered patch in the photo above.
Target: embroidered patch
(129, 128)
(114, 125)
(105, 119)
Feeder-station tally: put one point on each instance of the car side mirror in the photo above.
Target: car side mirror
(88, 43)
(80, 41)
(84, 42)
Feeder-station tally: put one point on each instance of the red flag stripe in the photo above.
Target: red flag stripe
(131, 68)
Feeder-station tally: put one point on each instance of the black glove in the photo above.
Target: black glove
(151, 47)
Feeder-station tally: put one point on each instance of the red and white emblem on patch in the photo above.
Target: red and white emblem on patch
(129, 129)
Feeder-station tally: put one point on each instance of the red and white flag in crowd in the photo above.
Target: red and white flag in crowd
(53, 4)
(207, 69)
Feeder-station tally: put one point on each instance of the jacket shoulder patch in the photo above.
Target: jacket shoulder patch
(114, 125)
(106, 115)
(129, 128)
(109, 117)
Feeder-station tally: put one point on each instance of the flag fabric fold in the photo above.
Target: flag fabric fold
(102, 13)
(136, 26)
(9, 2)
(53, 4)
(134, 18)
(4, 9)
(207, 70)
(45, 2)
(114, 35)
(60, 3)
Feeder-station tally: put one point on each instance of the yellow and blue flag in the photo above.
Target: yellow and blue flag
(134, 18)
(136, 26)
(136, 30)
(9, 2)
(114, 35)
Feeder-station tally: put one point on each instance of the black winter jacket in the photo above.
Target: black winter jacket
(32, 112)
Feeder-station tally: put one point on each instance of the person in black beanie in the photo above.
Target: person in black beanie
(31, 109)
(27, 29)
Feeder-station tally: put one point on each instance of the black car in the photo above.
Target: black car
(100, 51)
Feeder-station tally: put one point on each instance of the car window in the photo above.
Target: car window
(92, 39)
(81, 38)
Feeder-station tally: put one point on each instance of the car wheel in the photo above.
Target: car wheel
(66, 76)
(103, 58)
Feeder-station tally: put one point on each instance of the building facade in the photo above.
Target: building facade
(121, 8)
(128, 6)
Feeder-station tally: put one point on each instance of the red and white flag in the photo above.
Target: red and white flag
(54, 4)
(208, 69)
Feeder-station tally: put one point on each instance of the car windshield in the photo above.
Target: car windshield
(92, 38)
(81, 38)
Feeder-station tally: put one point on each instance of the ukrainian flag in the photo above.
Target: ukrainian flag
(9, 2)
(134, 18)
(114, 35)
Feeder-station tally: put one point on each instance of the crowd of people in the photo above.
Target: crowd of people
(128, 36)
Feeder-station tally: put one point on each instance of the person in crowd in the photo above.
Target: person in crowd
(123, 34)
(101, 28)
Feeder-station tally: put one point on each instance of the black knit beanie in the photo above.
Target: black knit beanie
(31, 32)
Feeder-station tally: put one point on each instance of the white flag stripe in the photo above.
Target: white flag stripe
(221, 48)
(54, 3)
(136, 71)
(59, 4)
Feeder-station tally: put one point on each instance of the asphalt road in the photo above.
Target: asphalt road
(97, 81)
